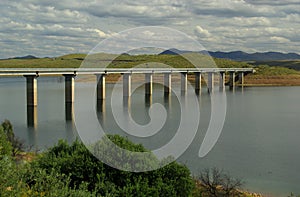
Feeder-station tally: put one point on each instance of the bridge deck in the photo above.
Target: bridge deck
(64, 71)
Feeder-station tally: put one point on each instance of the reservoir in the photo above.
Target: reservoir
(259, 142)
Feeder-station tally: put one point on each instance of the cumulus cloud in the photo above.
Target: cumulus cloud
(279, 39)
(100, 33)
(56, 27)
(200, 32)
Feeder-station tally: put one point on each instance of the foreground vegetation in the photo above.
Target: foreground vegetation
(71, 170)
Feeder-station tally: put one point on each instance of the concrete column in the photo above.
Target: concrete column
(100, 86)
(241, 78)
(32, 117)
(148, 83)
(210, 83)
(183, 82)
(69, 111)
(101, 107)
(127, 103)
(148, 101)
(231, 79)
(69, 88)
(31, 89)
(167, 83)
(197, 83)
(126, 84)
(222, 80)
(101, 112)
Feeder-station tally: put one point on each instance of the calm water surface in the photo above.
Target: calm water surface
(259, 142)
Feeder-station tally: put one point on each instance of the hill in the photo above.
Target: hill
(279, 74)
(25, 57)
(291, 64)
(121, 61)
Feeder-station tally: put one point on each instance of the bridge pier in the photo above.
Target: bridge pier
(197, 82)
(210, 82)
(32, 117)
(167, 83)
(148, 84)
(100, 86)
(222, 80)
(241, 78)
(231, 80)
(31, 89)
(183, 83)
(69, 87)
(31, 94)
(126, 84)
(69, 111)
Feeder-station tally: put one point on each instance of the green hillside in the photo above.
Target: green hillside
(121, 61)
(292, 64)
(186, 60)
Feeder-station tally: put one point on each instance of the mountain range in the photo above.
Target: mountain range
(241, 56)
(233, 55)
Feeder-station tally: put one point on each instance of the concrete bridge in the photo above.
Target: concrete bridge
(31, 75)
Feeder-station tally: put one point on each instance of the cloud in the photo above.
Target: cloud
(100, 33)
(252, 21)
(279, 39)
(200, 32)
(56, 27)
(274, 2)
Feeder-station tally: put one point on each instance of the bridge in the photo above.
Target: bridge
(32, 74)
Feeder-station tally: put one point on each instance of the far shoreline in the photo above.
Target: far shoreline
(250, 80)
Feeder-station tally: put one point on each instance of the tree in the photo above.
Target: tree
(76, 162)
(216, 183)
(5, 145)
(18, 145)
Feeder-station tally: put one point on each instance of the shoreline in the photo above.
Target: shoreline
(250, 81)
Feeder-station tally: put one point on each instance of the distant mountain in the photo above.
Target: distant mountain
(266, 56)
(173, 52)
(25, 57)
(145, 50)
(242, 56)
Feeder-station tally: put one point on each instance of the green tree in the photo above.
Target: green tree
(5, 145)
(18, 145)
(76, 162)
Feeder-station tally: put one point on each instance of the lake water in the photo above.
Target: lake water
(259, 142)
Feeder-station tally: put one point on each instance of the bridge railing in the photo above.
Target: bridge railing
(62, 71)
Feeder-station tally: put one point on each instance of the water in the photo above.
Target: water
(259, 142)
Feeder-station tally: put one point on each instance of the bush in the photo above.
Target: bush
(41, 183)
(17, 144)
(5, 145)
(216, 183)
(77, 163)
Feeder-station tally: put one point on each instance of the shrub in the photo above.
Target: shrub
(77, 163)
(5, 145)
(216, 183)
(41, 183)
(17, 144)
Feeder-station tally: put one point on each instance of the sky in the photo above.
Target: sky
(57, 27)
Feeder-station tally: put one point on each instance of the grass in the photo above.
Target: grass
(292, 64)
(40, 63)
(274, 70)
(122, 61)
